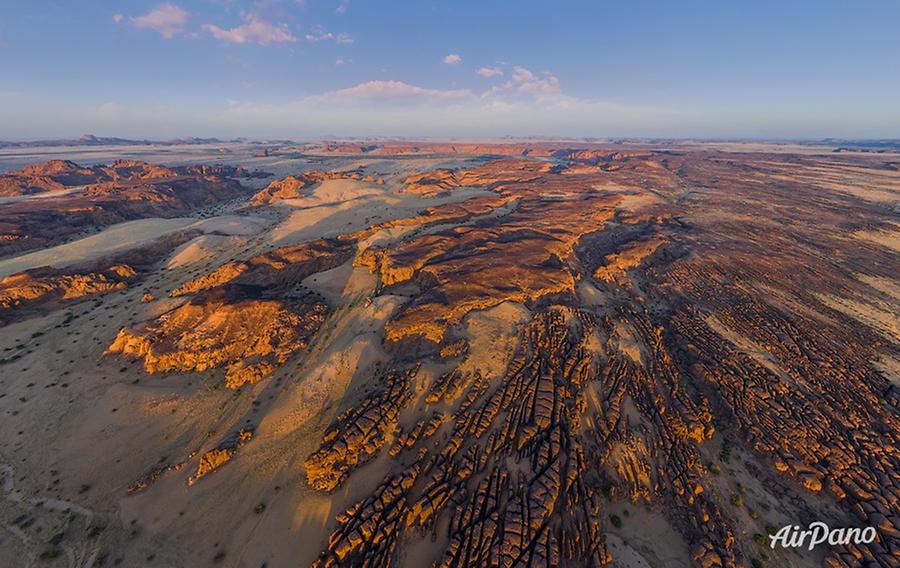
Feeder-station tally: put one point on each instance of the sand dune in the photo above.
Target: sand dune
(203, 248)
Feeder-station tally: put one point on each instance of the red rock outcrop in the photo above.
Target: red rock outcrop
(40, 290)
(282, 267)
(286, 188)
(543, 509)
(103, 195)
(237, 317)
(250, 337)
(53, 175)
(457, 269)
(707, 321)
(42, 284)
(220, 455)
(489, 175)
(291, 187)
(631, 256)
(359, 432)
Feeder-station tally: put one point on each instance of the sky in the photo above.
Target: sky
(303, 69)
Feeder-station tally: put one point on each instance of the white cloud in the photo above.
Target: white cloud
(489, 72)
(166, 19)
(317, 34)
(117, 18)
(363, 112)
(500, 115)
(254, 30)
(341, 61)
(524, 83)
(392, 92)
(452, 59)
(527, 104)
(342, 7)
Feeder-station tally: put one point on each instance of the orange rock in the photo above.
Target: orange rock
(220, 455)
(249, 337)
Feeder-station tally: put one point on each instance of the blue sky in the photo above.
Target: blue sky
(301, 69)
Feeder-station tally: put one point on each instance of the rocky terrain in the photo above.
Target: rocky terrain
(38, 290)
(529, 354)
(45, 203)
(92, 140)
(242, 315)
(291, 187)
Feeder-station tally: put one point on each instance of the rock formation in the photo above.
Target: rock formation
(250, 337)
(712, 325)
(220, 455)
(40, 290)
(277, 270)
(557, 336)
(101, 196)
(238, 317)
(291, 187)
(359, 433)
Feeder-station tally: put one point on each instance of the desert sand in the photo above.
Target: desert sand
(557, 341)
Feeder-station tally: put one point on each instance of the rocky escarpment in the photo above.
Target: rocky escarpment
(291, 187)
(40, 290)
(53, 175)
(250, 337)
(689, 331)
(276, 270)
(457, 270)
(101, 196)
(56, 175)
(26, 287)
(238, 317)
(489, 175)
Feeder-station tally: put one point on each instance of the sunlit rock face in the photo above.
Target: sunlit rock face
(293, 186)
(524, 354)
(237, 316)
(621, 397)
(250, 337)
(74, 198)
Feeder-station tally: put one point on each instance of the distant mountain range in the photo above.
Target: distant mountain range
(91, 140)
(881, 145)
(840, 144)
